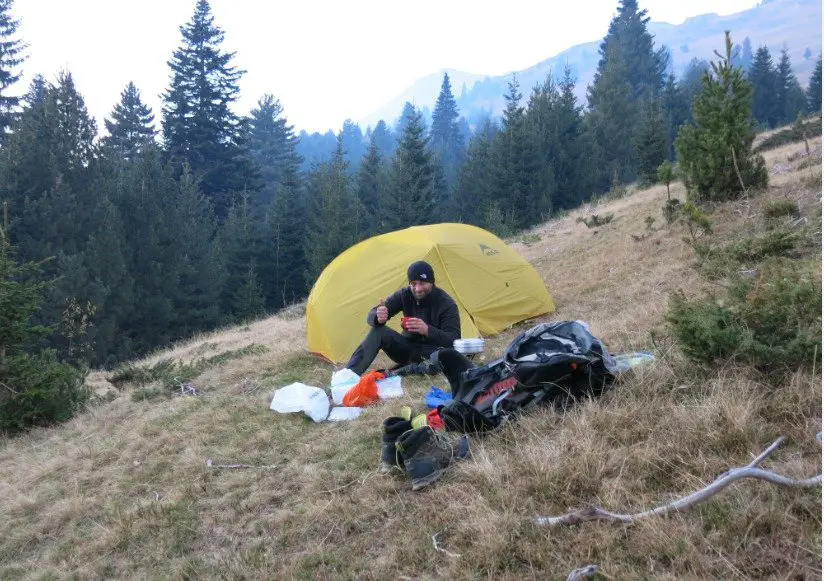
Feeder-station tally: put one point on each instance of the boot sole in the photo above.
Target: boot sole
(427, 480)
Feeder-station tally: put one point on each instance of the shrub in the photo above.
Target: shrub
(772, 322)
(780, 208)
(595, 220)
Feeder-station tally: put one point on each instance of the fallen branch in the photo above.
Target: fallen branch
(749, 471)
(228, 466)
(582, 573)
(441, 550)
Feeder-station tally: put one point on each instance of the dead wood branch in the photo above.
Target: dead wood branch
(751, 470)
(582, 573)
(440, 549)
(227, 466)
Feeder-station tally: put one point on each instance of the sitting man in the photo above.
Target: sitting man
(431, 322)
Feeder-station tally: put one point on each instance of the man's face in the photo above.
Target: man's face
(420, 288)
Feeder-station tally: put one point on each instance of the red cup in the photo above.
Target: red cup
(404, 321)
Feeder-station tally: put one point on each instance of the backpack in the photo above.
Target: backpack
(551, 363)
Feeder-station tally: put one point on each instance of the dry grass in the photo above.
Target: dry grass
(123, 491)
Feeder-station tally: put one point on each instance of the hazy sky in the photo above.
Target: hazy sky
(325, 61)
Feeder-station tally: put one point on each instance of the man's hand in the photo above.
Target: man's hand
(414, 325)
(381, 313)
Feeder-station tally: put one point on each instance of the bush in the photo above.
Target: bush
(595, 220)
(790, 135)
(779, 209)
(38, 390)
(772, 322)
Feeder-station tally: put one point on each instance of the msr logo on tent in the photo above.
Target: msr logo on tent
(488, 251)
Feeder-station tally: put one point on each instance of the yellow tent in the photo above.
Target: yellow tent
(493, 285)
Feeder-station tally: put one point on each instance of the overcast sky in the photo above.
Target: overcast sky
(325, 61)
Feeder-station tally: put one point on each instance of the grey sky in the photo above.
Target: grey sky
(325, 61)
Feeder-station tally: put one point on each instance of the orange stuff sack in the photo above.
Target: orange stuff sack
(364, 392)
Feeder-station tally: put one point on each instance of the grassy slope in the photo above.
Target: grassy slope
(123, 490)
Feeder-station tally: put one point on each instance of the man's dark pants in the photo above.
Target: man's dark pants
(396, 346)
(402, 351)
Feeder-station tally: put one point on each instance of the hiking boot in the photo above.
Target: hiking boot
(426, 454)
(393, 427)
(424, 368)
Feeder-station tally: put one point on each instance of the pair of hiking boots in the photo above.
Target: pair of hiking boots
(421, 452)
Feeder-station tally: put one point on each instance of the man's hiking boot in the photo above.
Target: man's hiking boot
(426, 454)
(425, 368)
(393, 427)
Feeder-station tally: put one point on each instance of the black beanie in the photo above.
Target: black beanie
(420, 271)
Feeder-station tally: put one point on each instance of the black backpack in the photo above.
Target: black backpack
(552, 363)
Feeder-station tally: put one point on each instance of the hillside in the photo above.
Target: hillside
(794, 23)
(124, 490)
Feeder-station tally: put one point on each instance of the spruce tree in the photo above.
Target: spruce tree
(383, 139)
(199, 127)
(37, 388)
(11, 57)
(354, 146)
(273, 148)
(573, 170)
(241, 244)
(762, 75)
(789, 95)
(372, 184)
(473, 192)
(333, 213)
(651, 141)
(446, 140)
(411, 200)
(715, 153)
(676, 110)
(630, 69)
(814, 90)
(131, 126)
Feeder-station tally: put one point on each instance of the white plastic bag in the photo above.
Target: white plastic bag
(342, 381)
(342, 414)
(299, 397)
(390, 387)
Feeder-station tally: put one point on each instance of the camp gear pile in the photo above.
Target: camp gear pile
(552, 363)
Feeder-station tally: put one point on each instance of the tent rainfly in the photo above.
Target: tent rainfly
(493, 285)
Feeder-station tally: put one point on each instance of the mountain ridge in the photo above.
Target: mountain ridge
(792, 23)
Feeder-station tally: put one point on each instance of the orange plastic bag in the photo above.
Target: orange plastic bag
(364, 392)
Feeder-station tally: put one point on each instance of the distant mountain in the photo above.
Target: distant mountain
(776, 23)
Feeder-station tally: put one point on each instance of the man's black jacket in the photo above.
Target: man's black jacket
(437, 310)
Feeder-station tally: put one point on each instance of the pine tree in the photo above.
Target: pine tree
(241, 244)
(517, 165)
(651, 141)
(789, 95)
(273, 148)
(383, 138)
(630, 69)
(814, 90)
(284, 282)
(446, 140)
(573, 171)
(38, 389)
(333, 215)
(475, 177)
(199, 127)
(715, 153)
(411, 200)
(762, 75)
(613, 121)
(372, 184)
(11, 57)
(354, 146)
(131, 126)
(676, 110)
